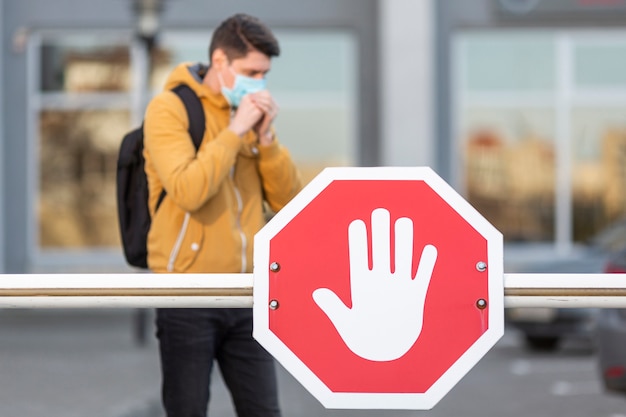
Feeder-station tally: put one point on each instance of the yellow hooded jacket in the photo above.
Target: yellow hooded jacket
(214, 201)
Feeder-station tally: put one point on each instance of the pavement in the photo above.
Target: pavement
(93, 363)
(77, 363)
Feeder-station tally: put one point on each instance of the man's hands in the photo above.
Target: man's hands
(265, 102)
(247, 115)
(256, 111)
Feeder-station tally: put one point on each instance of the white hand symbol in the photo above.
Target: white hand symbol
(387, 311)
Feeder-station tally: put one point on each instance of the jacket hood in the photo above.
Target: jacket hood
(192, 74)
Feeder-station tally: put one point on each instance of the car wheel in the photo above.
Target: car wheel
(543, 343)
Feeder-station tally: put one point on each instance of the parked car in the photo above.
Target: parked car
(545, 328)
(611, 335)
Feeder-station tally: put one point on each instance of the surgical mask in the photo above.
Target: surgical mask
(243, 85)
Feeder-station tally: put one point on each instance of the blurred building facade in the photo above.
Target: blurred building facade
(535, 106)
(520, 105)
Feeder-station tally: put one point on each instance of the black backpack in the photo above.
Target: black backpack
(132, 185)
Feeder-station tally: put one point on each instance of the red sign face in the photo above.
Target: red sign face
(399, 342)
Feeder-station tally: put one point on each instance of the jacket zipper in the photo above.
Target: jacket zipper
(244, 240)
(178, 244)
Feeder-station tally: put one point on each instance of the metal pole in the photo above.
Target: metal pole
(141, 290)
(148, 290)
(565, 290)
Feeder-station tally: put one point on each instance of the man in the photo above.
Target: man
(213, 208)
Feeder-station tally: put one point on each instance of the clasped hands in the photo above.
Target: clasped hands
(256, 111)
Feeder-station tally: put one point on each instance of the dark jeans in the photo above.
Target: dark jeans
(191, 339)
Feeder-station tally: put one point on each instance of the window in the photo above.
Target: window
(82, 100)
(541, 125)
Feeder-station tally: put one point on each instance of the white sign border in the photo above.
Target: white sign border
(407, 401)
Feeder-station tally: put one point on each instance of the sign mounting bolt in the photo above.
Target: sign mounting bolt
(274, 267)
(274, 304)
(481, 266)
(481, 303)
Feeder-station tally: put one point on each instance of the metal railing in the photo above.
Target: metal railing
(148, 290)
(135, 290)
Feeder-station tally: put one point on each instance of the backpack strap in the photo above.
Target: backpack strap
(195, 113)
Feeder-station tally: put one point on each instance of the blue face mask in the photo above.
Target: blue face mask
(243, 85)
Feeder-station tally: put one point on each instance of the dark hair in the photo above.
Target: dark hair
(240, 34)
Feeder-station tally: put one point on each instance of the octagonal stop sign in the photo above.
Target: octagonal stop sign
(378, 287)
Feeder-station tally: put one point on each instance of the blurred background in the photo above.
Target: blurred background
(519, 104)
